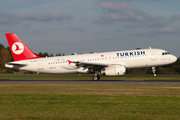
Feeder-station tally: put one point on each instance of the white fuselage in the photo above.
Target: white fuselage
(130, 59)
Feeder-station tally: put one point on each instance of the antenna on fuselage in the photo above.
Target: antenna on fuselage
(149, 47)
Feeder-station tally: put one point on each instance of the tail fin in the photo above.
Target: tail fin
(18, 49)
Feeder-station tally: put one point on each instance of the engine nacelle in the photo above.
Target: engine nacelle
(114, 70)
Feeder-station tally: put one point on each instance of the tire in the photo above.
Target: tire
(95, 78)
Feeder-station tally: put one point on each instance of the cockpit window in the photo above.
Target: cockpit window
(165, 53)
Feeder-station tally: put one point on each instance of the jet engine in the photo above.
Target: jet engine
(113, 70)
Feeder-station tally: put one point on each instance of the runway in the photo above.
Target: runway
(93, 82)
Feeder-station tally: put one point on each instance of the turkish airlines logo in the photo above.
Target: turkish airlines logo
(17, 48)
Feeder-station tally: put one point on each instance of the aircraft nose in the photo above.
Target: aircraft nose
(173, 58)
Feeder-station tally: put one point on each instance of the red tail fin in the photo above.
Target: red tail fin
(18, 49)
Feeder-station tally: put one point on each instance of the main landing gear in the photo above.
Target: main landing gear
(96, 77)
(154, 71)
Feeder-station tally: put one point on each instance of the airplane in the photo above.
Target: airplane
(106, 63)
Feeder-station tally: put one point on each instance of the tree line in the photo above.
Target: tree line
(6, 56)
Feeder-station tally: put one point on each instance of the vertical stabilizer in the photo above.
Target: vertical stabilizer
(18, 49)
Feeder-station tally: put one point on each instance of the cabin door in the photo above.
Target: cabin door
(153, 55)
(40, 65)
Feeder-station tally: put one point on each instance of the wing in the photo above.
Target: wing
(88, 65)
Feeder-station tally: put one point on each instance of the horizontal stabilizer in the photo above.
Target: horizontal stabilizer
(14, 65)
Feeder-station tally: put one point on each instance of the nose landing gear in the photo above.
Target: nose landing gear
(154, 71)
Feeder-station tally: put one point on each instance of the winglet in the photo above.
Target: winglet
(18, 49)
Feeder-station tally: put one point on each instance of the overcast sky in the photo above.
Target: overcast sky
(82, 26)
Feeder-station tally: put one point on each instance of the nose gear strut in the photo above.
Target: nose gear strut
(154, 71)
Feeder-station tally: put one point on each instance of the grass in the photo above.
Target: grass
(85, 77)
(54, 106)
(89, 101)
(92, 89)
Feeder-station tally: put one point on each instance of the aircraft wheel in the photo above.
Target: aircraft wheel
(96, 78)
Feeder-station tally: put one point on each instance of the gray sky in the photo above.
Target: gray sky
(82, 26)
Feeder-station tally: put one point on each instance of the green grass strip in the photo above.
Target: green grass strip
(99, 107)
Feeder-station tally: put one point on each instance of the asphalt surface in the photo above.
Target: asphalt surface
(94, 82)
